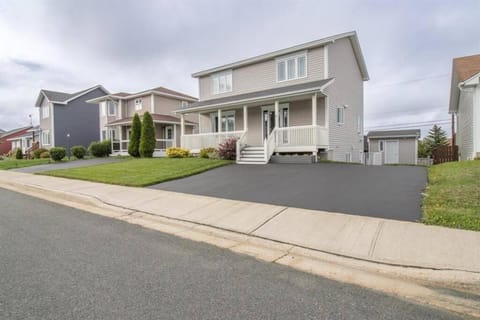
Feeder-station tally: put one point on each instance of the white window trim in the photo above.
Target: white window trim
(224, 114)
(138, 104)
(108, 109)
(343, 115)
(285, 59)
(46, 132)
(46, 111)
(218, 75)
(184, 104)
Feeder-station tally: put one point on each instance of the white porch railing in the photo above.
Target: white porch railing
(121, 146)
(211, 139)
(241, 143)
(269, 145)
(301, 136)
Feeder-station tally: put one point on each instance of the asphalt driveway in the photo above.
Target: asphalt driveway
(67, 165)
(391, 192)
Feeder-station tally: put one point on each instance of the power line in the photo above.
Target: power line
(409, 125)
(438, 76)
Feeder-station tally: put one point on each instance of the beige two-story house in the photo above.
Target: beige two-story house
(117, 111)
(306, 99)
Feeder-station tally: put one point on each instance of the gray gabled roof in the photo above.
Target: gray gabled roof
(414, 133)
(258, 95)
(63, 97)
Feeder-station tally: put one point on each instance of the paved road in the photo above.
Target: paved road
(67, 165)
(61, 263)
(392, 192)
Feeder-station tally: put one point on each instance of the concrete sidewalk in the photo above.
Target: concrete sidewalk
(371, 239)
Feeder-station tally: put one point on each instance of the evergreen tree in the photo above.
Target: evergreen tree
(423, 150)
(134, 143)
(436, 137)
(147, 140)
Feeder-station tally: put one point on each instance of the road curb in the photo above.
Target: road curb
(409, 282)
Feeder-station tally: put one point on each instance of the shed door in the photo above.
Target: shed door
(391, 151)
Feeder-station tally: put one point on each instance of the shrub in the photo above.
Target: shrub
(228, 149)
(178, 153)
(38, 152)
(18, 154)
(204, 153)
(147, 139)
(78, 151)
(45, 155)
(134, 143)
(57, 153)
(1, 158)
(100, 148)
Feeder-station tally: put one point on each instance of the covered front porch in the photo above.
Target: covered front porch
(167, 135)
(293, 124)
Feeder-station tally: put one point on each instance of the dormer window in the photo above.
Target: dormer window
(222, 82)
(292, 67)
(138, 104)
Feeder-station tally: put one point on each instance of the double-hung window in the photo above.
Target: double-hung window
(45, 111)
(292, 67)
(222, 82)
(341, 115)
(45, 138)
(228, 121)
(138, 104)
(111, 108)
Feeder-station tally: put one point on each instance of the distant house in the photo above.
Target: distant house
(2, 131)
(397, 146)
(117, 110)
(7, 138)
(465, 105)
(25, 141)
(66, 119)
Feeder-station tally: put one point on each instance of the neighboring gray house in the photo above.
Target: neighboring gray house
(306, 99)
(66, 119)
(117, 111)
(1, 131)
(465, 105)
(396, 146)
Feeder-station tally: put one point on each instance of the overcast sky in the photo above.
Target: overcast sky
(135, 45)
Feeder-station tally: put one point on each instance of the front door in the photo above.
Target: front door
(268, 119)
(391, 151)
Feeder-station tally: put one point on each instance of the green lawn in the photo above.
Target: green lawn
(140, 172)
(8, 164)
(452, 197)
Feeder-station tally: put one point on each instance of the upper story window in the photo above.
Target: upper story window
(111, 108)
(222, 82)
(138, 104)
(45, 111)
(184, 104)
(292, 67)
(341, 115)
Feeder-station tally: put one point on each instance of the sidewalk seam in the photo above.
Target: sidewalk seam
(375, 238)
(268, 220)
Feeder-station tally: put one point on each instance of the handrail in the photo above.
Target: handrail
(240, 143)
(269, 145)
(213, 133)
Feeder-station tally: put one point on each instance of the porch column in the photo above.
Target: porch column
(276, 114)
(174, 135)
(182, 124)
(314, 110)
(326, 111)
(120, 135)
(245, 118)
(219, 120)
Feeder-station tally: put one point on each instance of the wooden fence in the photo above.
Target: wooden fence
(445, 154)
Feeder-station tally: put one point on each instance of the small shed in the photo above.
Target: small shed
(397, 146)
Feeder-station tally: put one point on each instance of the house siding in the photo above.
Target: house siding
(263, 75)
(130, 106)
(78, 118)
(347, 89)
(45, 124)
(465, 129)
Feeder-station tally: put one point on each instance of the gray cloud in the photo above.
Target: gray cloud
(134, 45)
